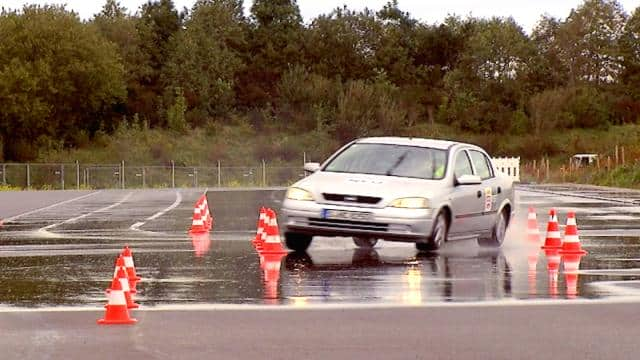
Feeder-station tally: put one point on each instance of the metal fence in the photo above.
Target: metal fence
(55, 176)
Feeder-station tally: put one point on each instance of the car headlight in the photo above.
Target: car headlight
(295, 193)
(411, 203)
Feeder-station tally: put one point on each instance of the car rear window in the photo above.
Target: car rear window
(390, 160)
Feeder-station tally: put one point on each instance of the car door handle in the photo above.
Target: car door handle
(479, 193)
(499, 190)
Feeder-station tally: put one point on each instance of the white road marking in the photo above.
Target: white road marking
(137, 225)
(87, 214)
(51, 206)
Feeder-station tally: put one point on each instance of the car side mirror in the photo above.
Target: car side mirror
(468, 180)
(311, 167)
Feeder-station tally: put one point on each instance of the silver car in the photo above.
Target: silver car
(400, 189)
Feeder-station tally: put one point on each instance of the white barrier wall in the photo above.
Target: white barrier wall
(509, 166)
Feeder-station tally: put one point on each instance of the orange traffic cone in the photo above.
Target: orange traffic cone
(197, 225)
(116, 309)
(204, 211)
(129, 266)
(571, 243)
(571, 264)
(261, 222)
(272, 244)
(552, 240)
(124, 282)
(121, 265)
(533, 233)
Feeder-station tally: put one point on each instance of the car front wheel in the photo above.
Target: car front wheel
(364, 242)
(297, 242)
(497, 234)
(438, 235)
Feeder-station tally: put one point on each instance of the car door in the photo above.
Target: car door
(490, 190)
(466, 200)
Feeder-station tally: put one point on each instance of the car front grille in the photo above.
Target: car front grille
(349, 225)
(358, 199)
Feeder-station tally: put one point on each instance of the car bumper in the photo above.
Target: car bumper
(306, 217)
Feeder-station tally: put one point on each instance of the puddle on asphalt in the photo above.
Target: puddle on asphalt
(197, 270)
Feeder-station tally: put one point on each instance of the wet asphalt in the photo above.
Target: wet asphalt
(57, 254)
(63, 255)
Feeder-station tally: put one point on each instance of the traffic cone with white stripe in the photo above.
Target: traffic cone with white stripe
(204, 209)
(116, 311)
(124, 281)
(272, 244)
(120, 264)
(129, 266)
(198, 224)
(533, 233)
(261, 223)
(552, 241)
(571, 242)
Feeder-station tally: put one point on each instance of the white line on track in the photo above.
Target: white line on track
(125, 198)
(340, 306)
(137, 225)
(51, 206)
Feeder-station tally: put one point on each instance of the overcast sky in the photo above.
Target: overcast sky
(525, 12)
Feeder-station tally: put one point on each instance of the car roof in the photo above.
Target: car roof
(411, 141)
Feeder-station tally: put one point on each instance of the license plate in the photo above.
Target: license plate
(346, 215)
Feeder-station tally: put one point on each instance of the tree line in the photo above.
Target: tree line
(346, 73)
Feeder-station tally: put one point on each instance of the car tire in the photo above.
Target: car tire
(365, 242)
(297, 242)
(498, 233)
(438, 234)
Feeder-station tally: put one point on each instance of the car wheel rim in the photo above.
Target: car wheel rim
(439, 236)
(500, 229)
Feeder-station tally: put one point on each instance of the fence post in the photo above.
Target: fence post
(122, 174)
(195, 177)
(28, 178)
(304, 157)
(144, 180)
(219, 176)
(264, 173)
(77, 175)
(62, 175)
(4, 174)
(173, 174)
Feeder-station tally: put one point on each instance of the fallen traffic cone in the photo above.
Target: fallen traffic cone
(552, 240)
(197, 225)
(124, 282)
(533, 233)
(261, 222)
(129, 266)
(116, 309)
(272, 244)
(571, 242)
(571, 264)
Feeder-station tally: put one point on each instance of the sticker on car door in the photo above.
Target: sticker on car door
(488, 199)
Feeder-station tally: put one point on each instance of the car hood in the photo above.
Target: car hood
(387, 187)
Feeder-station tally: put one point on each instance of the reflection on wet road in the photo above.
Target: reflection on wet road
(63, 255)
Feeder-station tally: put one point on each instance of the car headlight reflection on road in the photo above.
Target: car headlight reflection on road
(410, 203)
(295, 193)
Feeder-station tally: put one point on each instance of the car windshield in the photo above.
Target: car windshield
(390, 160)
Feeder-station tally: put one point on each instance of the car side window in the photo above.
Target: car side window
(463, 166)
(481, 164)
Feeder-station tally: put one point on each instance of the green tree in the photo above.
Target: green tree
(159, 21)
(275, 44)
(58, 76)
(206, 57)
(630, 51)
